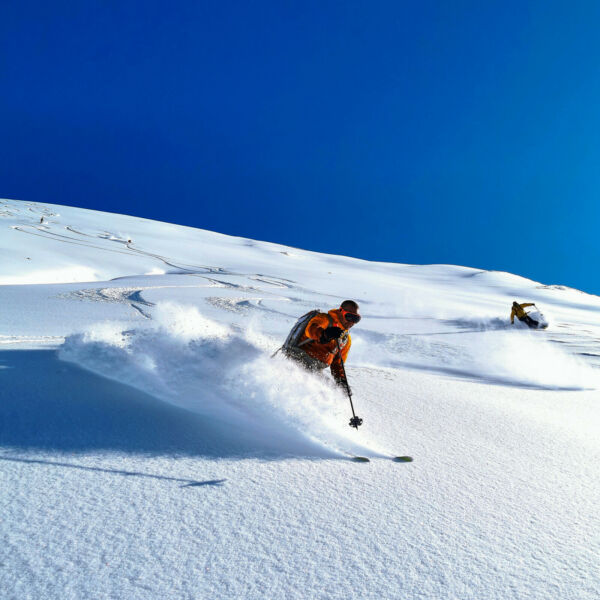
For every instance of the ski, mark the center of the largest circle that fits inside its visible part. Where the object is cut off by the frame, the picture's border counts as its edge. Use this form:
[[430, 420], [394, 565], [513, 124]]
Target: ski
[[399, 459], [402, 459]]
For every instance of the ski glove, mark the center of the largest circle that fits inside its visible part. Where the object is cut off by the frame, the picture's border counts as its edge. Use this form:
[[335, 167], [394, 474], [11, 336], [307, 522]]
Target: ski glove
[[331, 333]]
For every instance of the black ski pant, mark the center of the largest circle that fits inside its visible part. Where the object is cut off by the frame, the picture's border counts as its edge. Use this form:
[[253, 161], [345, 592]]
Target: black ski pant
[[308, 362], [529, 322], [311, 364]]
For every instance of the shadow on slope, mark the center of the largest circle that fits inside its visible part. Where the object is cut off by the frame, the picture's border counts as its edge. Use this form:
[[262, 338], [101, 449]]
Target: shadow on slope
[[53, 405], [484, 378], [69, 465]]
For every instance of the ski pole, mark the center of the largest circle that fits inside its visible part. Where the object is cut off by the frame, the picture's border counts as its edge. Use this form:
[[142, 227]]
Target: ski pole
[[354, 421]]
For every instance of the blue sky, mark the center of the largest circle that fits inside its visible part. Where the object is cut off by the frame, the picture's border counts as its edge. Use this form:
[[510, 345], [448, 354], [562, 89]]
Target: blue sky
[[419, 132]]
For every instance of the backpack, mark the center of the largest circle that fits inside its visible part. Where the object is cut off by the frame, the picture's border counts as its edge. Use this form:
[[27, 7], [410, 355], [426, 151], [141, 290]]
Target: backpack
[[297, 331]]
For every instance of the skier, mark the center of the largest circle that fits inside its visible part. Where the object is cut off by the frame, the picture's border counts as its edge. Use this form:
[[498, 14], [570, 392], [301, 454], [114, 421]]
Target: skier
[[324, 341], [517, 311]]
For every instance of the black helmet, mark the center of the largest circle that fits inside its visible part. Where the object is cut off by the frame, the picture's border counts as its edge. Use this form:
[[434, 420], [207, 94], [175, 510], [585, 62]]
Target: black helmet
[[350, 306]]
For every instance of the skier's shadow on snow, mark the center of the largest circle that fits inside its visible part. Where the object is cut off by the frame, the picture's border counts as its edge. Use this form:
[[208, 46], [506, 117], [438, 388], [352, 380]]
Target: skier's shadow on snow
[[53, 463], [47, 404], [211, 482]]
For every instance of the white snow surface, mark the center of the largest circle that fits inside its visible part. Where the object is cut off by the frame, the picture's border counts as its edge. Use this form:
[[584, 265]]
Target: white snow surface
[[150, 447]]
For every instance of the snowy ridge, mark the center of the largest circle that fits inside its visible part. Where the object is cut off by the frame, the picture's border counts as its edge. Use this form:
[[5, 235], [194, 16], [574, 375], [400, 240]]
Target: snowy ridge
[[144, 423]]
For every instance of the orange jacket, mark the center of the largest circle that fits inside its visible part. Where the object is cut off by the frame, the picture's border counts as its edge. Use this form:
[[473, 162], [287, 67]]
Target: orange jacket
[[327, 353]]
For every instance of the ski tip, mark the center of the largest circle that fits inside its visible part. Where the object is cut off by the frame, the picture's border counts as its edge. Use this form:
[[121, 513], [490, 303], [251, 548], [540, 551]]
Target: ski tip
[[402, 459], [361, 459]]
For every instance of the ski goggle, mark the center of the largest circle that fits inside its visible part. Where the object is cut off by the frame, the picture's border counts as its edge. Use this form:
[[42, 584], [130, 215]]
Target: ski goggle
[[350, 316]]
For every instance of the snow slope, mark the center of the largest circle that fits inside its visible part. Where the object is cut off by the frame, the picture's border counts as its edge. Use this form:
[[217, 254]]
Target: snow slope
[[151, 448]]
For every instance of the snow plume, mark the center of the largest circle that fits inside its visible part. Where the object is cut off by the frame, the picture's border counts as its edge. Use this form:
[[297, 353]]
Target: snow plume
[[186, 324], [222, 373], [109, 332]]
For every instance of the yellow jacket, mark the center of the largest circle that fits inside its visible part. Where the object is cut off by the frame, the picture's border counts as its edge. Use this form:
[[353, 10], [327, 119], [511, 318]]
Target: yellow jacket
[[519, 312]]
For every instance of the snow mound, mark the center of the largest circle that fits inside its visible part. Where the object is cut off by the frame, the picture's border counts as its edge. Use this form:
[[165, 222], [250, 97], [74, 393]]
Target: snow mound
[[220, 372], [487, 350], [524, 358]]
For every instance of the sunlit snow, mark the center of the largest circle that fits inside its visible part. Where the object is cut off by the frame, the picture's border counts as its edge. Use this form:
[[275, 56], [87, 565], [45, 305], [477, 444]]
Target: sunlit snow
[[151, 447]]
